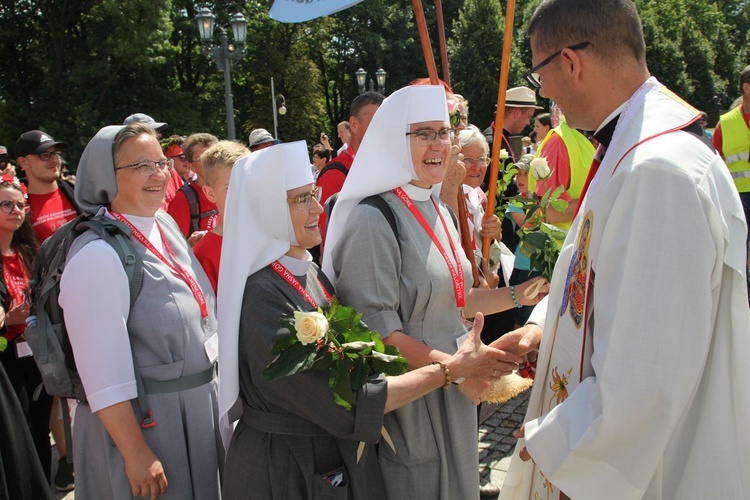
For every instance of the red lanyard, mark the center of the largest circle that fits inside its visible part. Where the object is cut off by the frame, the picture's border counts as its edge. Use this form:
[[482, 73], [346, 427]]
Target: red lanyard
[[457, 273], [174, 265], [292, 280]]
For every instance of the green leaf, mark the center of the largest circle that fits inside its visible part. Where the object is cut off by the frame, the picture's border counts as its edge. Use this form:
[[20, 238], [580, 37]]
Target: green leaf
[[359, 374], [284, 343], [297, 358], [339, 382], [559, 205], [3, 344], [389, 364]]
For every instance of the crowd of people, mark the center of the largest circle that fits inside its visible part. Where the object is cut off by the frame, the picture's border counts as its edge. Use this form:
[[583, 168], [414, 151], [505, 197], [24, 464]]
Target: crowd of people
[[636, 351]]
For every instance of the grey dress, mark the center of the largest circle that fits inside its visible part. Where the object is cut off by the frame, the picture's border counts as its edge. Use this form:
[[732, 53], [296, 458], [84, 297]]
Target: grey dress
[[167, 340], [291, 432], [404, 284]]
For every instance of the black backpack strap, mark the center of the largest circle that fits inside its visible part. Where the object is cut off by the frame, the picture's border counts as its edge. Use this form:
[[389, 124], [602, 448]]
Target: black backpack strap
[[378, 202], [334, 165], [118, 236], [69, 191], [195, 208]]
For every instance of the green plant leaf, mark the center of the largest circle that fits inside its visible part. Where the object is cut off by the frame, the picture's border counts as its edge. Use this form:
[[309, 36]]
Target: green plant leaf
[[359, 374], [297, 358], [389, 364], [339, 382], [3, 344]]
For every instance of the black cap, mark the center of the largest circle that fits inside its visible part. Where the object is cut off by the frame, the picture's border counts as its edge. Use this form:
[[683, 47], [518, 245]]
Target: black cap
[[35, 142]]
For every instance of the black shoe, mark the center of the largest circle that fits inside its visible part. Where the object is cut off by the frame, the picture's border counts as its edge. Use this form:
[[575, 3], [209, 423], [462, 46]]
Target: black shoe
[[489, 491], [64, 477]]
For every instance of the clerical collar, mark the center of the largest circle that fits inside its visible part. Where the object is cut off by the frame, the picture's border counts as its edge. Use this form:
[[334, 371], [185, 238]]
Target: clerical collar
[[296, 266], [606, 130], [417, 193]]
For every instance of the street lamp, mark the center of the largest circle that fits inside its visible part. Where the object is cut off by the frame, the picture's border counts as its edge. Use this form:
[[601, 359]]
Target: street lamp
[[361, 76], [224, 54], [281, 109]]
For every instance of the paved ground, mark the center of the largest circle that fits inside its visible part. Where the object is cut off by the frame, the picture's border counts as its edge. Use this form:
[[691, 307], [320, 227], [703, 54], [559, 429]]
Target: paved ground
[[496, 443]]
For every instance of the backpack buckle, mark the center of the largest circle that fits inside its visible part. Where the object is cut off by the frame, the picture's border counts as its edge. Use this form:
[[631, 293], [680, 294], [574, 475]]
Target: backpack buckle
[[149, 421]]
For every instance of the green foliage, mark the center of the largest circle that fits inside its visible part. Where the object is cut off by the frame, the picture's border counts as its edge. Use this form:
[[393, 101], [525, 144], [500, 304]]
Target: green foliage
[[540, 241], [3, 344], [71, 67], [346, 349]]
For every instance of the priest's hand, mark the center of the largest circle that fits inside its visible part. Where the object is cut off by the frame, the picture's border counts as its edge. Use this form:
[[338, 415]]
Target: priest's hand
[[522, 342]]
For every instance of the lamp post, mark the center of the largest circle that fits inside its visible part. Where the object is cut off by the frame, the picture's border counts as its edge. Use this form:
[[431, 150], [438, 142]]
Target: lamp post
[[281, 109], [362, 79], [224, 54]]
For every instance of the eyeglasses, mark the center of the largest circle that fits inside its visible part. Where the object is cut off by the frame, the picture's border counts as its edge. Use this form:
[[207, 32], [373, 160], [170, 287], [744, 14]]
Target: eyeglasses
[[304, 201], [428, 136], [181, 157], [470, 162], [47, 156], [535, 79], [148, 167], [7, 206]]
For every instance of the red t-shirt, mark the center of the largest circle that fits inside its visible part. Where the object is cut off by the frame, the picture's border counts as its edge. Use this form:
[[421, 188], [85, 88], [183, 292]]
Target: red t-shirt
[[331, 181], [179, 209], [559, 164], [208, 253], [49, 212], [17, 282], [173, 185]]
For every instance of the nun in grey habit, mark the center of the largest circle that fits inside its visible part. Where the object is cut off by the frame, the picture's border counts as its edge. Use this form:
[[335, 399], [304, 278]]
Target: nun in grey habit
[[292, 441], [167, 336]]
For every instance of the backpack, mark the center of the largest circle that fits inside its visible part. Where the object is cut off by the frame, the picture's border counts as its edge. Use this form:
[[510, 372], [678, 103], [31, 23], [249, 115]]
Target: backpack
[[195, 208], [47, 335], [334, 165]]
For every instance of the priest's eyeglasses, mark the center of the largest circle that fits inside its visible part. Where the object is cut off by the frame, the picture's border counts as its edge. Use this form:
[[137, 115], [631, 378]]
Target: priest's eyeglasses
[[427, 136], [535, 79], [304, 201], [8, 206], [149, 167]]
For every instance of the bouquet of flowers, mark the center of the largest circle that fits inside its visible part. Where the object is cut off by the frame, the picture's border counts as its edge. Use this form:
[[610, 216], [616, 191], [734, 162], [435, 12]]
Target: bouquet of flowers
[[334, 339], [541, 241]]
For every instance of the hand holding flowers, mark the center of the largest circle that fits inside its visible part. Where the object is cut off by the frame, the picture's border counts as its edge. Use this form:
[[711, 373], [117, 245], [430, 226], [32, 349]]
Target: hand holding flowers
[[333, 339]]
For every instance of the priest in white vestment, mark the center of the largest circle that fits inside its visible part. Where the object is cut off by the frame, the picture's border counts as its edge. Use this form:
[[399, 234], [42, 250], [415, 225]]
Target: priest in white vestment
[[641, 388]]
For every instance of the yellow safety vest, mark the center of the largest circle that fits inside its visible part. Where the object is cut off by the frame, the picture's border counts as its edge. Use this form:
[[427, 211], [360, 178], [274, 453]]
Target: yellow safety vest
[[735, 144], [580, 153]]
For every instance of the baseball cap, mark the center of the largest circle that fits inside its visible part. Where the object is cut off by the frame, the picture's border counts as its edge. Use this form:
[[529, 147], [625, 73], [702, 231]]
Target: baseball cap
[[34, 142], [144, 118]]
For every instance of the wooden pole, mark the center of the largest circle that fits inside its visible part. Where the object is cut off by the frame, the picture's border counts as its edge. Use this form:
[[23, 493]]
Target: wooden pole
[[441, 37], [497, 142], [429, 58]]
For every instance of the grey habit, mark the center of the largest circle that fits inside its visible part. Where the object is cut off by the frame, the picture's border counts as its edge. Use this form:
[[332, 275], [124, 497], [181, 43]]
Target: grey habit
[[291, 432], [404, 284], [167, 340]]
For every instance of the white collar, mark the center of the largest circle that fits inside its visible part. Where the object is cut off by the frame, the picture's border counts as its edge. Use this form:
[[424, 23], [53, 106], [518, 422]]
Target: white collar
[[614, 113], [296, 266], [417, 193]]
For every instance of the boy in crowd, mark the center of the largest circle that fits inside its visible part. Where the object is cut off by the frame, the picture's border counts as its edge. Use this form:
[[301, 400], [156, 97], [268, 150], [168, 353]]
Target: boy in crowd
[[217, 168]]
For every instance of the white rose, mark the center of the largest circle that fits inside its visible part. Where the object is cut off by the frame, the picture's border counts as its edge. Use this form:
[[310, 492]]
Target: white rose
[[504, 154], [310, 326], [540, 168]]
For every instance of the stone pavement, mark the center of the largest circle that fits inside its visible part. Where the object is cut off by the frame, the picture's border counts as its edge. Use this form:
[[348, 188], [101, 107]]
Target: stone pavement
[[496, 443]]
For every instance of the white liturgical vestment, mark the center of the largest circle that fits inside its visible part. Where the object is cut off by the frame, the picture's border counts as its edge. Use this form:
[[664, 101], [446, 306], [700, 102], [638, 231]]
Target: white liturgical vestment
[[642, 388]]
